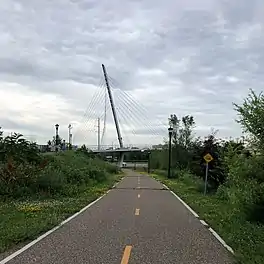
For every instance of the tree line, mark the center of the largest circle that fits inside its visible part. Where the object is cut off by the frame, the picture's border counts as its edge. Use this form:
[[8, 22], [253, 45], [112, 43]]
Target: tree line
[[236, 172]]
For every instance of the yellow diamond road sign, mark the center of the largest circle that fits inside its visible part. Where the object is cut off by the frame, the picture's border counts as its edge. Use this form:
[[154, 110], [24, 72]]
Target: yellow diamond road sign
[[208, 158]]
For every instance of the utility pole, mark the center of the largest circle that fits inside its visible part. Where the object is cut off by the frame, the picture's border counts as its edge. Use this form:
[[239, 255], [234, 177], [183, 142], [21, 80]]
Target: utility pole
[[98, 131], [113, 107]]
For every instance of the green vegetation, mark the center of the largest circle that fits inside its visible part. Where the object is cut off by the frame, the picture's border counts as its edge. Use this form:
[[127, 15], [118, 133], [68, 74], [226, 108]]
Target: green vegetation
[[234, 205], [39, 191]]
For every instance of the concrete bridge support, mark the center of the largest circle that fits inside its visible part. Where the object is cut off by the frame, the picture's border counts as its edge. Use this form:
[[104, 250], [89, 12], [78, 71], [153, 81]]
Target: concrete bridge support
[[121, 159]]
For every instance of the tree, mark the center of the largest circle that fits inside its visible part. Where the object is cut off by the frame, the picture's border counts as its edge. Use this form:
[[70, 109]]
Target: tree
[[17, 148], [60, 140], [174, 122], [182, 130], [61, 143], [251, 116], [83, 148], [49, 145], [186, 131], [182, 140]]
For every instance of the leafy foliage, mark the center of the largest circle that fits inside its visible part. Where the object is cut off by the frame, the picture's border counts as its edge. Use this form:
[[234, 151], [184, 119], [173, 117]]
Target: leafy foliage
[[235, 173], [251, 116], [24, 171], [188, 152], [235, 206]]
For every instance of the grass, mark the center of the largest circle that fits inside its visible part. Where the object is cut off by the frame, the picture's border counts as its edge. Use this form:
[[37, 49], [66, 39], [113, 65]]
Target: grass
[[246, 238], [24, 218]]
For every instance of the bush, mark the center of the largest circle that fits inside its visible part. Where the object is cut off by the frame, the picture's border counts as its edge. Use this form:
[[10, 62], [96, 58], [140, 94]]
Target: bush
[[244, 187], [25, 172], [50, 181]]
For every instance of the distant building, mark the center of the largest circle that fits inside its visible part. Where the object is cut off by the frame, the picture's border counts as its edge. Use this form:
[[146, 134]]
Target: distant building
[[158, 147]]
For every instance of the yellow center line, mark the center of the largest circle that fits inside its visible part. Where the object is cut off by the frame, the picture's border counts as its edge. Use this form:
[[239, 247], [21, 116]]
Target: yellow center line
[[126, 255], [137, 212], [138, 195]]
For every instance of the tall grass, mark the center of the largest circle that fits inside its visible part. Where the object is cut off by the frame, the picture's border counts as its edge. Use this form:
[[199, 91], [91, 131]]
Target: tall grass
[[38, 191]]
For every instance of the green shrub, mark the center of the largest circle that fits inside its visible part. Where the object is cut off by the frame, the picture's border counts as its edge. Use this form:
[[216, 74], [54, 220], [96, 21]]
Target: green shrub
[[25, 172], [50, 180], [244, 188]]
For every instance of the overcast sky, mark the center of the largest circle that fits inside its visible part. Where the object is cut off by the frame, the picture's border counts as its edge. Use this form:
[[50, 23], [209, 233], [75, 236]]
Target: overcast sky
[[175, 56]]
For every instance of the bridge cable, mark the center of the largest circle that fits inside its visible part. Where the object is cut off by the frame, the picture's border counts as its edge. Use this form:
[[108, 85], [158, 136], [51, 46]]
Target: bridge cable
[[95, 112], [129, 101], [85, 114], [105, 112], [127, 116], [119, 116], [89, 124], [143, 111], [90, 109]]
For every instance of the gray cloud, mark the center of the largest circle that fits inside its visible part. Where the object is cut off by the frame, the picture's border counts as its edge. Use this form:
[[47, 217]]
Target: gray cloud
[[176, 57]]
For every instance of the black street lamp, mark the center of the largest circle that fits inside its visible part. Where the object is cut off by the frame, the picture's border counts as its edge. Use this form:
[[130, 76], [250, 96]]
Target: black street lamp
[[148, 156], [70, 137], [170, 129], [149, 162], [135, 162], [57, 137]]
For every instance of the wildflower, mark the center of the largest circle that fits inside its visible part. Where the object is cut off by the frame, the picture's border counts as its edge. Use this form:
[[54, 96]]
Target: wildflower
[[29, 208]]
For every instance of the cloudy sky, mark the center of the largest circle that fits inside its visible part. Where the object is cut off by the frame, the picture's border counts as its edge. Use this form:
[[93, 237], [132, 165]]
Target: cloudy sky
[[183, 57]]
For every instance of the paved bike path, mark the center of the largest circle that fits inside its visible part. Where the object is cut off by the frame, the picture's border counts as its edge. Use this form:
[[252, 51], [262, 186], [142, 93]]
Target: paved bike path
[[137, 222]]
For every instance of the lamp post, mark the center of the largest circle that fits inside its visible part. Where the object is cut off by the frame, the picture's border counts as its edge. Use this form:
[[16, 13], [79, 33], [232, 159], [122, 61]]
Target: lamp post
[[70, 137], [148, 156], [135, 162], [57, 137], [149, 162], [170, 129]]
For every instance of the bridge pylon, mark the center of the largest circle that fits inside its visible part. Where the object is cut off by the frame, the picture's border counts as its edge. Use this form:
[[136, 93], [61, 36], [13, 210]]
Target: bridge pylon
[[119, 137]]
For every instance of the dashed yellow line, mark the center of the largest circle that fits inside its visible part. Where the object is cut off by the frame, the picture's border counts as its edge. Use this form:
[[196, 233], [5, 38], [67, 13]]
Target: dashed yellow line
[[126, 255], [137, 211]]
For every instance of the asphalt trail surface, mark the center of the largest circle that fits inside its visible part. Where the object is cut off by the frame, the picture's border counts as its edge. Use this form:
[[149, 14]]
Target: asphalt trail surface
[[137, 222]]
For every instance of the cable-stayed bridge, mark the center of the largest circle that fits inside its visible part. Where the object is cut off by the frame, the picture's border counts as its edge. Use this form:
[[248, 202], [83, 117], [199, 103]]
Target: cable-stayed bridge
[[126, 148], [115, 121]]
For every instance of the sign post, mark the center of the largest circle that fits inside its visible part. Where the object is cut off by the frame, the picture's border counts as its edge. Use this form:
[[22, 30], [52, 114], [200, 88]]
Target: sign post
[[208, 158]]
